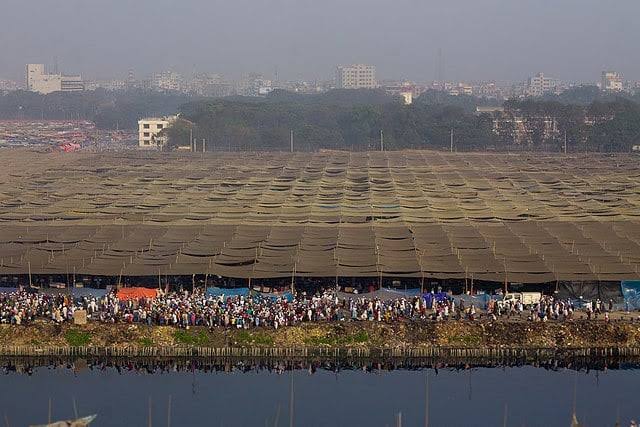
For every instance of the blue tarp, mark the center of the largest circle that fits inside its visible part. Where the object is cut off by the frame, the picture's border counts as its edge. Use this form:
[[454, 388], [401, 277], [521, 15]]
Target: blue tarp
[[479, 300], [230, 292], [286, 295], [631, 294], [439, 297]]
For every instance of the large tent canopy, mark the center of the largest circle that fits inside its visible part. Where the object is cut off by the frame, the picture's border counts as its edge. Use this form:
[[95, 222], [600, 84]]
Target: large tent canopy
[[529, 218]]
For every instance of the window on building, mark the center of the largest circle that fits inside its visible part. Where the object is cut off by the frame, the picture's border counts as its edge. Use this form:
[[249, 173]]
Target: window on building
[[147, 134], [160, 126], [146, 126]]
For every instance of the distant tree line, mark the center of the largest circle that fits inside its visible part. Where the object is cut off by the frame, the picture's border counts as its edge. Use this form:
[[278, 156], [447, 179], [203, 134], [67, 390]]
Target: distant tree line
[[339, 119], [109, 110], [352, 119], [603, 126]]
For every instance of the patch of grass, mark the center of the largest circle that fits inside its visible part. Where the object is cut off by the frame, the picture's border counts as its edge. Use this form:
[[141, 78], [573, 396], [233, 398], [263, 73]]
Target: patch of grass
[[246, 337], [77, 338], [198, 339], [466, 340], [360, 337], [319, 340], [145, 342], [357, 338]]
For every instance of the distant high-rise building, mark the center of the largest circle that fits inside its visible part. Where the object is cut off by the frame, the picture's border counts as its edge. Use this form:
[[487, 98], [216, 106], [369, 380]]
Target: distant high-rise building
[[539, 84], [611, 81], [39, 81], [356, 76], [167, 81], [131, 79]]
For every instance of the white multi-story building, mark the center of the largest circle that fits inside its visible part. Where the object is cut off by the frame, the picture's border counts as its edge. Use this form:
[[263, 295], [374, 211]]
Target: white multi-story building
[[539, 84], [149, 131], [39, 81], [611, 81], [356, 76]]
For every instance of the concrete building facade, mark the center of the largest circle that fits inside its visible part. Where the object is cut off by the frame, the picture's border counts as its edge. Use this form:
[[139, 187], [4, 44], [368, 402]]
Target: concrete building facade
[[149, 131], [38, 80], [356, 76], [539, 84]]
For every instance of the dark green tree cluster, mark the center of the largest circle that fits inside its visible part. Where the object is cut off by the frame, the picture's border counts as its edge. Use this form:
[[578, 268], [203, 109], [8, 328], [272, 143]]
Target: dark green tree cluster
[[347, 120], [350, 119], [109, 110], [178, 134], [602, 126]]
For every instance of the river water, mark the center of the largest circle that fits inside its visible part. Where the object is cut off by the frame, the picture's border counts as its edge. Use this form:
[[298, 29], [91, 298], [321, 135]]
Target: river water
[[526, 395]]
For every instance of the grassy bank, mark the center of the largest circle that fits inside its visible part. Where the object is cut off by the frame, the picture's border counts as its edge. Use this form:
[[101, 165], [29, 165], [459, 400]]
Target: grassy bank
[[513, 334]]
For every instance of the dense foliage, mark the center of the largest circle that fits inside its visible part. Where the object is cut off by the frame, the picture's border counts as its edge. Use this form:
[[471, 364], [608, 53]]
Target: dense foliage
[[109, 110], [335, 120], [351, 119]]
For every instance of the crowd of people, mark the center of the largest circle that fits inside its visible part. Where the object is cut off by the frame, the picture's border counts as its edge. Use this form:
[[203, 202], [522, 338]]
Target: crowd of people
[[186, 309], [550, 307]]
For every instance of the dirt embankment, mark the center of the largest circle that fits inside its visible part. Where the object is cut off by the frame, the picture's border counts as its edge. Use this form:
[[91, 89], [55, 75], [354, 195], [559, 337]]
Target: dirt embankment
[[514, 334]]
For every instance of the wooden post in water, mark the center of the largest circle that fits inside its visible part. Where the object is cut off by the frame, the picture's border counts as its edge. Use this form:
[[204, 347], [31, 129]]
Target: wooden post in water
[[169, 412], [426, 402], [291, 401], [149, 414]]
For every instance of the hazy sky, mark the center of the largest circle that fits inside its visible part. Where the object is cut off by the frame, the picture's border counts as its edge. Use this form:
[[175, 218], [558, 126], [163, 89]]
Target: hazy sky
[[505, 40]]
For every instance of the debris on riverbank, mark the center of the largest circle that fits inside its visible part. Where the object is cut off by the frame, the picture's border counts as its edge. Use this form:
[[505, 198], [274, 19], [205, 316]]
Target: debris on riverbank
[[462, 334]]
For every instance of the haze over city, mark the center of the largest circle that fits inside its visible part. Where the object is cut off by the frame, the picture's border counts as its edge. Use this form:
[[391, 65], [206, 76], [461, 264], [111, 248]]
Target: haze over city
[[501, 40]]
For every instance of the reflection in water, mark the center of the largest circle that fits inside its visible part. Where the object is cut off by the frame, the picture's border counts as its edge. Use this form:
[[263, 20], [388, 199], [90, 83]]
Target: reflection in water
[[231, 392], [159, 365]]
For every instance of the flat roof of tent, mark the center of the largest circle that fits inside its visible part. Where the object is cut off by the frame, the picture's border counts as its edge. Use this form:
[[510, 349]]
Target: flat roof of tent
[[530, 218]]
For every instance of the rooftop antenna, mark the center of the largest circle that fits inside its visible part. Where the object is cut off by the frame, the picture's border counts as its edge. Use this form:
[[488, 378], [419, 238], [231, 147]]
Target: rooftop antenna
[[55, 65], [381, 140], [565, 142]]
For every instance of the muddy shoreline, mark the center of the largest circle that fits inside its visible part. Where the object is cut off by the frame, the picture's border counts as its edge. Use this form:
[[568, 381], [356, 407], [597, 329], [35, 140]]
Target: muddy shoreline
[[502, 338]]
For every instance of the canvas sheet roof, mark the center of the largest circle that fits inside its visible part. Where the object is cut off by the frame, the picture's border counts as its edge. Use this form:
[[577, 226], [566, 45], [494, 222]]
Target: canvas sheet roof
[[525, 218]]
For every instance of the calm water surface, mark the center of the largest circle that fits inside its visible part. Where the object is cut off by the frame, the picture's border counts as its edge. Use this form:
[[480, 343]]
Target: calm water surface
[[472, 397]]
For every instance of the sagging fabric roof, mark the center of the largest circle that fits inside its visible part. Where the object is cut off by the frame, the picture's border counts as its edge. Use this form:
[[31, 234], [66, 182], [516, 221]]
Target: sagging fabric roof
[[518, 218]]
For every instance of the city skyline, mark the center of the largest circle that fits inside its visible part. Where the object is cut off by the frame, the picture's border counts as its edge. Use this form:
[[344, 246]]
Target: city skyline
[[489, 40], [333, 80]]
